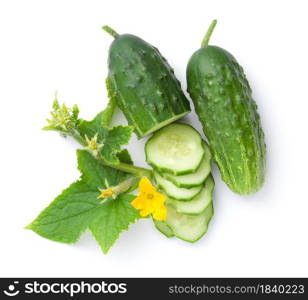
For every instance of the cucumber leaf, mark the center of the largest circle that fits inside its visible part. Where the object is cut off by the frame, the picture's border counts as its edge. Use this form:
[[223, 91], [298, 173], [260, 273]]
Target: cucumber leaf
[[112, 139], [90, 128], [95, 174], [117, 137], [68, 216], [125, 157], [112, 218], [77, 207]]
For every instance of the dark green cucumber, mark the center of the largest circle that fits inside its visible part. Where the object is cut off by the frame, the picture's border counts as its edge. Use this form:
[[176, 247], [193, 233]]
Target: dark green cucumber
[[144, 84], [222, 98]]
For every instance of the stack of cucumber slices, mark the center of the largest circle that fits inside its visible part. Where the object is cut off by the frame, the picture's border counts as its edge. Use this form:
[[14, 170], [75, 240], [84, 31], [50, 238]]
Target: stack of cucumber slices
[[182, 170]]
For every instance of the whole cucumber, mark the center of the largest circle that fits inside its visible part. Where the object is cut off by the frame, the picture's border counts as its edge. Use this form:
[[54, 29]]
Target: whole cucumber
[[143, 84], [222, 98]]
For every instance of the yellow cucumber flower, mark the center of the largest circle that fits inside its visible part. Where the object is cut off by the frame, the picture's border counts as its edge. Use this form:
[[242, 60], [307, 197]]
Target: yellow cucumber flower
[[105, 193], [149, 201], [116, 190]]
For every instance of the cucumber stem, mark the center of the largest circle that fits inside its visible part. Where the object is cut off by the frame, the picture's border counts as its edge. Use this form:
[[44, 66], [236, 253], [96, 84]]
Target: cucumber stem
[[138, 171], [208, 34], [110, 31]]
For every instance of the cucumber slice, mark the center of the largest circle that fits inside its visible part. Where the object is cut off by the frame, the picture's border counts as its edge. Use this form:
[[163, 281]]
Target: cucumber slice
[[163, 228], [189, 228], [196, 178], [176, 149], [199, 203], [175, 192]]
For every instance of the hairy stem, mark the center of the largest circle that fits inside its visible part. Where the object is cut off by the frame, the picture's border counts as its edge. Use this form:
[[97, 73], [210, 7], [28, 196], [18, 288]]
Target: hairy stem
[[127, 168], [208, 34]]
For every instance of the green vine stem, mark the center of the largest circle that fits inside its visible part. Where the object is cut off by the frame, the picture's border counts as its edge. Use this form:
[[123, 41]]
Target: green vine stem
[[208, 34], [138, 171]]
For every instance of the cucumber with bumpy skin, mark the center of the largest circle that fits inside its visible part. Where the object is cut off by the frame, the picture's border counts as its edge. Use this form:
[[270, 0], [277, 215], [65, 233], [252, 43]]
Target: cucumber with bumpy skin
[[225, 107], [183, 194], [196, 178], [189, 228], [163, 228], [176, 149], [143, 84], [199, 203]]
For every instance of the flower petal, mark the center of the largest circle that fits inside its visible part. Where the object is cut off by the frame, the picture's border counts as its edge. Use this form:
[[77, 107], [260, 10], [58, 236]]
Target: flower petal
[[159, 198], [149, 201], [160, 213], [138, 202], [144, 213], [145, 186]]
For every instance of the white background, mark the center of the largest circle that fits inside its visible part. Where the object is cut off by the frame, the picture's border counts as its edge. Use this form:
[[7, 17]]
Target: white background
[[59, 45]]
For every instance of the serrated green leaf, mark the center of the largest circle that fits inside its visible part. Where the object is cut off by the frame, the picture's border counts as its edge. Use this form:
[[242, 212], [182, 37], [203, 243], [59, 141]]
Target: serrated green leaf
[[112, 139], [67, 217], [90, 128], [125, 157], [95, 174], [116, 138], [77, 208], [113, 218]]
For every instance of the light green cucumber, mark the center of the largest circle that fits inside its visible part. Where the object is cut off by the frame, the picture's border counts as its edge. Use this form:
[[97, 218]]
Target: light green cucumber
[[196, 178], [175, 192], [199, 203], [163, 228], [189, 228], [176, 149]]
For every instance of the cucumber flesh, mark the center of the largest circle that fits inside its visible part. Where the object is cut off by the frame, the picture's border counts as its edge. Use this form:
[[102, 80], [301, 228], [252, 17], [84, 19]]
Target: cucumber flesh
[[189, 228], [163, 228], [199, 203], [175, 192], [176, 149], [196, 178]]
